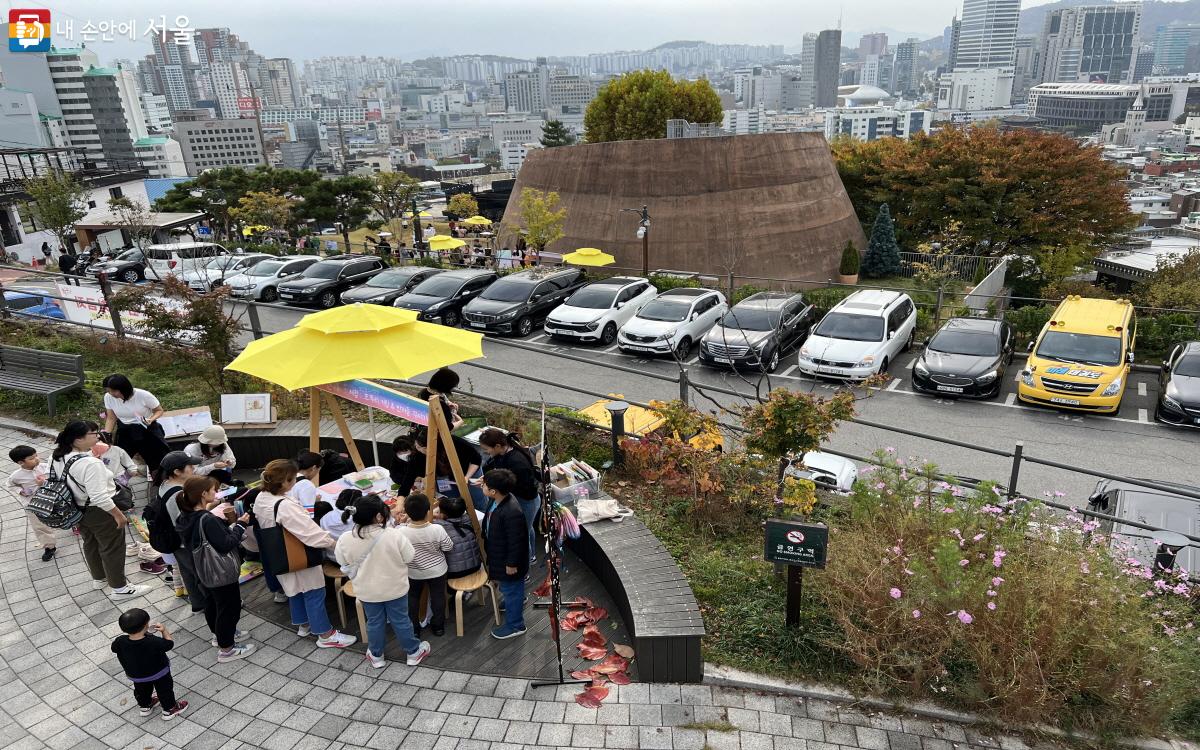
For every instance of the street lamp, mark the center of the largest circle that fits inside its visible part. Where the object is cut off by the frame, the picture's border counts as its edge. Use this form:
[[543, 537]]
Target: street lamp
[[616, 410], [643, 234]]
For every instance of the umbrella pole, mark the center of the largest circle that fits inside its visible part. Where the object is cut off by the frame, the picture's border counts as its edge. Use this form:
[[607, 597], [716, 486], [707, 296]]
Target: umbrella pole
[[374, 435], [314, 420]]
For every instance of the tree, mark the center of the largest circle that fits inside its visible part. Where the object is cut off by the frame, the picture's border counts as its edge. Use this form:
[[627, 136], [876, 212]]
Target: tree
[[1176, 283], [134, 218], [264, 209], [541, 217], [345, 200], [883, 254], [57, 201], [555, 133], [216, 192], [463, 205], [637, 106], [851, 261], [393, 196]]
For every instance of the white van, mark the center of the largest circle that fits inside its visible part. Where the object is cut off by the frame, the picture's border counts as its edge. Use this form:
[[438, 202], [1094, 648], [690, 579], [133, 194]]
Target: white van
[[860, 336], [179, 257]]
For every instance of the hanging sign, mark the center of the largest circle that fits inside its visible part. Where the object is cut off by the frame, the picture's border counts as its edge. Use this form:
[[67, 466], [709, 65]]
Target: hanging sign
[[387, 400]]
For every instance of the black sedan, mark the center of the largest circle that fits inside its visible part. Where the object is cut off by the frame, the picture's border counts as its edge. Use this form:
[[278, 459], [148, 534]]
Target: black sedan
[[965, 358], [440, 298], [387, 286], [1179, 387]]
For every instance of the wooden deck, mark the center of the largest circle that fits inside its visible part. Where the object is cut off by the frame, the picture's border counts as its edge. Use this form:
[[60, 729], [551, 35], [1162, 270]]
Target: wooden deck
[[529, 656]]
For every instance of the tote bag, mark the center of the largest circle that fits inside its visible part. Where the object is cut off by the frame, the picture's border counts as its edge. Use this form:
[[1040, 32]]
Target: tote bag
[[283, 552], [213, 568]]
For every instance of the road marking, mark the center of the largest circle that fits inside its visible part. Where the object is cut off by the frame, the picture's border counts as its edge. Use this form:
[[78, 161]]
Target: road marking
[[693, 360], [1017, 377], [1141, 389], [537, 338], [1010, 399], [911, 365], [1143, 416], [611, 349], [894, 384], [788, 371]]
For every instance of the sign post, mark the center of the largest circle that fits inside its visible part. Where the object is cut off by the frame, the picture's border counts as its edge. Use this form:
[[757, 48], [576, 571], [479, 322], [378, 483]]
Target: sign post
[[798, 546]]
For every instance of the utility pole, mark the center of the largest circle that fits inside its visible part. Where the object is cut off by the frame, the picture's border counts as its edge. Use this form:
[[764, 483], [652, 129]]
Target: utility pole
[[341, 140], [643, 232]]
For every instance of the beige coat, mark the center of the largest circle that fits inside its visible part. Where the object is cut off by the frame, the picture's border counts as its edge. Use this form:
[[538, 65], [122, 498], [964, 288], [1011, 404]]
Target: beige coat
[[294, 518]]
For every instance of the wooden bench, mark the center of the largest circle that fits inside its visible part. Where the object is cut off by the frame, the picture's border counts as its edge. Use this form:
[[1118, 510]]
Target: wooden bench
[[37, 371], [655, 599]]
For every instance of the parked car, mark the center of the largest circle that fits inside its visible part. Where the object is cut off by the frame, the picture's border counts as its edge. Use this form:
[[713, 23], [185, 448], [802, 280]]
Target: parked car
[[178, 258], [260, 282], [757, 331], [1179, 386], [128, 266], [826, 470], [385, 288], [323, 282], [441, 298], [597, 311], [213, 274], [860, 336], [31, 302], [967, 357], [672, 322], [1161, 508], [519, 301]]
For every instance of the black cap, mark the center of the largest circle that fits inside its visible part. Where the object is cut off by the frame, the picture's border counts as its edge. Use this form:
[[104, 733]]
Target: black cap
[[176, 460]]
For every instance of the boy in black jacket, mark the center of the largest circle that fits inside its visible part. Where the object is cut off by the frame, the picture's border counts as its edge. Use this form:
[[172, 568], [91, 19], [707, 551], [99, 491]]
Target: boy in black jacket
[[142, 652], [507, 549]]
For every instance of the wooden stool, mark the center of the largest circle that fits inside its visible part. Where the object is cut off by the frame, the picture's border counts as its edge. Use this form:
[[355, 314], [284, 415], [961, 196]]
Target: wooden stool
[[348, 589], [474, 582], [342, 585]]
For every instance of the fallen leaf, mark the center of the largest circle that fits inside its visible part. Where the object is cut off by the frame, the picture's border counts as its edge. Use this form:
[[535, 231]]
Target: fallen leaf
[[582, 674], [624, 650], [599, 691], [619, 678], [591, 653], [595, 614], [587, 699], [543, 590]]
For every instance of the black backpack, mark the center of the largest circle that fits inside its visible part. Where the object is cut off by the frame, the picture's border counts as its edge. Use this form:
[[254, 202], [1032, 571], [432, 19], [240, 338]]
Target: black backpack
[[52, 503], [163, 536]]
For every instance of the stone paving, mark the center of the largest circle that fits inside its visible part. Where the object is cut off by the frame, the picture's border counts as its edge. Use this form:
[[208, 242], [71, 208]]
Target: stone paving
[[61, 687]]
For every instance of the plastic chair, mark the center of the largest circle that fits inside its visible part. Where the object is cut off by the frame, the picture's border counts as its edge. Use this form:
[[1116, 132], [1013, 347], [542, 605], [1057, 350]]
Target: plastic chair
[[474, 582]]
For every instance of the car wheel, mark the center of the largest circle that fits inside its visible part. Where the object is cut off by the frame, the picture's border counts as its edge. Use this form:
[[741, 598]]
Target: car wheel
[[911, 337], [131, 276], [774, 362], [329, 299], [269, 294], [683, 348], [883, 367], [450, 319], [609, 335], [523, 327]]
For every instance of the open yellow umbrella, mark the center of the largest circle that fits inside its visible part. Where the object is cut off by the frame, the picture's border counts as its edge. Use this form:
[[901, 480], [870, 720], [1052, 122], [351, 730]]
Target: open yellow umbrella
[[443, 242], [479, 221], [589, 256], [353, 342], [254, 229]]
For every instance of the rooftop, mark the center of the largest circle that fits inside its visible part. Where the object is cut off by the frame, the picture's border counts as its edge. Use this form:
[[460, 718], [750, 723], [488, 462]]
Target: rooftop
[[1092, 315]]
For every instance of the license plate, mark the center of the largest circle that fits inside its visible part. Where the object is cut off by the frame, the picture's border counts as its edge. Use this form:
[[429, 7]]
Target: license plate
[[286, 295], [1065, 401], [477, 325], [832, 371], [723, 360], [950, 388], [1197, 421], [636, 348]]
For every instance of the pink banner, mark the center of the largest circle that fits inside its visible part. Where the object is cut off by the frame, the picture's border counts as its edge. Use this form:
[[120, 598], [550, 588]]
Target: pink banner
[[382, 398]]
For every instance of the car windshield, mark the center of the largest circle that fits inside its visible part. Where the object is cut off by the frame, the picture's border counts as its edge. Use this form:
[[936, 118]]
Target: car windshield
[[1188, 366], [1080, 348], [220, 264], [960, 342], [131, 255], [438, 287], [266, 268], [669, 310], [322, 271], [599, 297], [390, 280], [751, 319], [837, 325], [508, 291]]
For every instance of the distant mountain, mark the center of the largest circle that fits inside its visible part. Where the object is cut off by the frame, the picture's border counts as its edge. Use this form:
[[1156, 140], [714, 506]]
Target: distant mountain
[[1155, 13], [679, 44]]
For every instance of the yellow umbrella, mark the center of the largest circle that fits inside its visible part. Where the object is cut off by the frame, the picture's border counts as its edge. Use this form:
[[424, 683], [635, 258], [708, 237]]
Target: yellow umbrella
[[589, 256], [478, 221], [254, 229], [442, 242], [355, 341]]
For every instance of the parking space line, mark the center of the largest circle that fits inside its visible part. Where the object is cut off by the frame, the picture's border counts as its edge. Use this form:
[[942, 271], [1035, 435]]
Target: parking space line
[[611, 349], [1017, 377], [1010, 399], [1141, 389], [788, 371], [537, 338], [1143, 416], [894, 384], [693, 360]]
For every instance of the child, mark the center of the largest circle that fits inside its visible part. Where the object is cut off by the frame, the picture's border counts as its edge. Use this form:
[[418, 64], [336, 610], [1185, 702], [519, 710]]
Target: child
[[31, 473], [463, 559], [428, 567], [337, 522], [142, 652]]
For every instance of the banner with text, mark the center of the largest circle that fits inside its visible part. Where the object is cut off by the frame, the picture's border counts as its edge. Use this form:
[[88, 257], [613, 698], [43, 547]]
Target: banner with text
[[382, 398]]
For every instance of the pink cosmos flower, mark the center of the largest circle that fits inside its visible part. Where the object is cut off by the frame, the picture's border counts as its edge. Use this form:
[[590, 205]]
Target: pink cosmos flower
[[894, 593], [991, 605], [977, 537], [991, 592], [1083, 568], [916, 614], [997, 581], [963, 563], [965, 617]]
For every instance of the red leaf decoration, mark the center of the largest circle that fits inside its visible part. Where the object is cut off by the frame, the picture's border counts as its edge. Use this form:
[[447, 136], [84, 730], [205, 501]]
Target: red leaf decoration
[[569, 622], [596, 614], [582, 674], [623, 650], [619, 678], [591, 653], [598, 691], [543, 590], [587, 699]]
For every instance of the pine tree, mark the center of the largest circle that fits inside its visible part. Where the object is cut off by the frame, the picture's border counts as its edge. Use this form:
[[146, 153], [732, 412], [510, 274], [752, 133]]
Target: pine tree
[[883, 254], [555, 133]]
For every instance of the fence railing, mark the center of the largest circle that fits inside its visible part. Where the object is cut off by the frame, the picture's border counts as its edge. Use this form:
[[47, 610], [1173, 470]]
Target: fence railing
[[962, 267]]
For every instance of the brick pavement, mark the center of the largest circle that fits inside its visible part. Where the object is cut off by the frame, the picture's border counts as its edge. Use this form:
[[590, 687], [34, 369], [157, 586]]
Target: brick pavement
[[61, 687]]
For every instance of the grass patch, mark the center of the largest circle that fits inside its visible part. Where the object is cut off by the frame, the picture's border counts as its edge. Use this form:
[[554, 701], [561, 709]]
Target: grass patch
[[710, 726]]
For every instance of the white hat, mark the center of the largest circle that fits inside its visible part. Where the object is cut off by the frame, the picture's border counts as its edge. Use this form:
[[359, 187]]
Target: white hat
[[214, 435]]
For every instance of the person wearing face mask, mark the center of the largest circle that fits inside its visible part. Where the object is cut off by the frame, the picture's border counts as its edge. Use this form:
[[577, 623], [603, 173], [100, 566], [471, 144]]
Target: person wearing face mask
[[401, 454]]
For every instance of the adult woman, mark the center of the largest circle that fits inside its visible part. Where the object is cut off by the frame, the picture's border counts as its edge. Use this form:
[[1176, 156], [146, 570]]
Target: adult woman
[[381, 583], [102, 527], [216, 457], [504, 451], [464, 453], [401, 453], [442, 384], [175, 469], [305, 589], [137, 411], [196, 525]]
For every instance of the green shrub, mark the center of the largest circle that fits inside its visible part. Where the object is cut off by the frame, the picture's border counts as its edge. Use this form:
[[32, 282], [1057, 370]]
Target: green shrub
[[1158, 334], [1028, 321], [744, 291], [851, 260], [665, 283], [824, 299]]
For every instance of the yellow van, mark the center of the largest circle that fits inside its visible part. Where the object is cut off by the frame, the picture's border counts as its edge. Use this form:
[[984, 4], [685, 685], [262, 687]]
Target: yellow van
[[1082, 357]]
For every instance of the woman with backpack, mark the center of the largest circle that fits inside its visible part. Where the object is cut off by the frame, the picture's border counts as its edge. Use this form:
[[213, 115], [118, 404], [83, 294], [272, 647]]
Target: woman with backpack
[[92, 487], [504, 451], [161, 515]]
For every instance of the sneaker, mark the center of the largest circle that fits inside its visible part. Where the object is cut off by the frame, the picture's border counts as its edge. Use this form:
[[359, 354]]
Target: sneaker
[[237, 636], [147, 710], [180, 592], [336, 640], [239, 651], [180, 706], [132, 549], [97, 585], [279, 597], [169, 578], [376, 661], [48, 554], [503, 632], [419, 655], [128, 592], [303, 631], [153, 568]]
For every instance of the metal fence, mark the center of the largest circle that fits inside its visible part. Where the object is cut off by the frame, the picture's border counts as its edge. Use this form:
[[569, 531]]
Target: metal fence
[[961, 267]]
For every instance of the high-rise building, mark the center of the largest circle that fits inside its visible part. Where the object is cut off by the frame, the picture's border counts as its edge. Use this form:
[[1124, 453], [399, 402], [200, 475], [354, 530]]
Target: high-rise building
[[116, 109], [281, 85], [905, 82], [208, 144], [67, 67], [1171, 44], [953, 31], [1025, 64], [872, 72], [988, 34], [1143, 63], [156, 112], [231, 88], [569, 93], [527, 90], [173, 72], [873, 44], [1089, 43], [827, 65]]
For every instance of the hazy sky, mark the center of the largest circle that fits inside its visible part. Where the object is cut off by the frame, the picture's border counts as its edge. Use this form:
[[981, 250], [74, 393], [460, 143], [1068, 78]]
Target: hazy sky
[[303, 29]]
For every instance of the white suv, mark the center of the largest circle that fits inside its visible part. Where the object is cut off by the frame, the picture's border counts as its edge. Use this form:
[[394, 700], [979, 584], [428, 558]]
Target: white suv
[[597, 311], [672, 322], [860, 336]]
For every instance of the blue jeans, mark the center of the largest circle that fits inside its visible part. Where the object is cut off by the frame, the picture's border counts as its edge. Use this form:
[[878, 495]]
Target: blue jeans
[[513, 593], [530, 508], [478, 499], [379, 614], [309, 608]]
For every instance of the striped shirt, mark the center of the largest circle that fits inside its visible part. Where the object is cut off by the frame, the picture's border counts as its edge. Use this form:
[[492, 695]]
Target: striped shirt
[[430, 543]]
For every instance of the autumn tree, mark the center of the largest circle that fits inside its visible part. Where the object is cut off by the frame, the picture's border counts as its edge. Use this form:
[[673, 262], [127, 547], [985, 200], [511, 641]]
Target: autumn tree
[[637, 105], [555, 133], [541, 217], [57, 201], [345, 200], [393, 196], [463, 205], [133, 217], [268, 209], [1176, 283]]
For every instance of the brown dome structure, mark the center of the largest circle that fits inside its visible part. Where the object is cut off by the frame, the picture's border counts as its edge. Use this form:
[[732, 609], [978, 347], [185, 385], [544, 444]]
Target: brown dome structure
[[770, 205]]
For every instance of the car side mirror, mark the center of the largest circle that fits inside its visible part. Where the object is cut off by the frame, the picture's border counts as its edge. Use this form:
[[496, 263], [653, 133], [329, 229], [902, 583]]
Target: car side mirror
[[620, 305], [891, 335], [1166, 365], [1129, 356], [695, 315], [1029, 347]]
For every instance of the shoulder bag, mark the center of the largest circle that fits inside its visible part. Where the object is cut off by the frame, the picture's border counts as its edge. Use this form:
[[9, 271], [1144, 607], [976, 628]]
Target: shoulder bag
[[213, 568], [283, 552]]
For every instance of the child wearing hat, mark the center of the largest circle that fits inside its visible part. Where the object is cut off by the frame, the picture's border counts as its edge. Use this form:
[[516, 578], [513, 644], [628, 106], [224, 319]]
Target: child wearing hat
[[213, 451]]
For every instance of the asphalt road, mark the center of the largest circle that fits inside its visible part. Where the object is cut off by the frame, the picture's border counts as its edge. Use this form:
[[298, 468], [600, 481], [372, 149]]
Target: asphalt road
[[1129, 444]]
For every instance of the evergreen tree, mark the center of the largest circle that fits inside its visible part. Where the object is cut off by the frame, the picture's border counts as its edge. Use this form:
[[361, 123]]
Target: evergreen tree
[[883, 254], [555, 133]]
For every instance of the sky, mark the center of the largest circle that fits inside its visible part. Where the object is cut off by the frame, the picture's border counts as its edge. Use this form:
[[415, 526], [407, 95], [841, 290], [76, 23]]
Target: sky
[[303, 29]]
